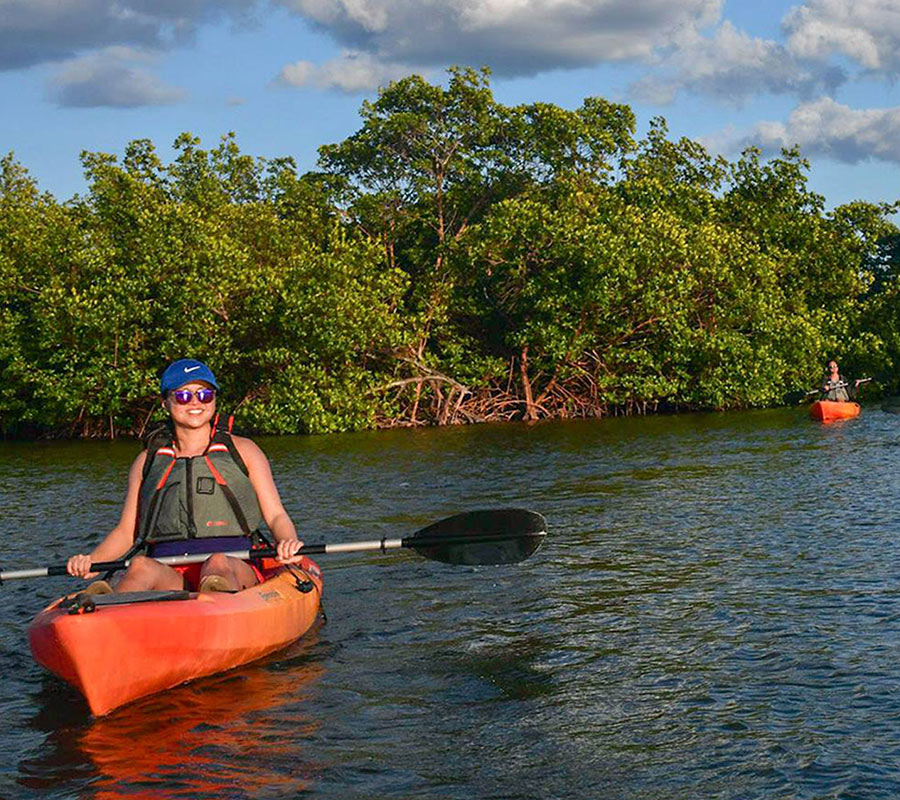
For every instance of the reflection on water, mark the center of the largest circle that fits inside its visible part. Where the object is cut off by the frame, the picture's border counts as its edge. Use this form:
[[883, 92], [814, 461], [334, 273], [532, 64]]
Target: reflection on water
[[716, 613], [236, 731]]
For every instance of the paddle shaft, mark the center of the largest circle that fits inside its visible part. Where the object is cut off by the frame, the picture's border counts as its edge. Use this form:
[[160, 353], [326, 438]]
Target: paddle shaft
[[841, 385], [197, 558], [267, 552]]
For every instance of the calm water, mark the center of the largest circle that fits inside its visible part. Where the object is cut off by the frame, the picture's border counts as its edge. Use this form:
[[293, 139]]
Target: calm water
[[716, 614]]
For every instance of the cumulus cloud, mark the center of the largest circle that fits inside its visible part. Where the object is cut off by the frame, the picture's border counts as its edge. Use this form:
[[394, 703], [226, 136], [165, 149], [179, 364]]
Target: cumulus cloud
[[867, 31], [732, 67], [680, 41], [827, 128], [114, 77], [820, 37], [513, 37], [683, 43], [39, 31], [352, 72]]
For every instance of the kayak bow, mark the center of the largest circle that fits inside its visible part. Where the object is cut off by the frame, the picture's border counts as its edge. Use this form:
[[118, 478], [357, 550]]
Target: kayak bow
[[833, 410], [126, 648]]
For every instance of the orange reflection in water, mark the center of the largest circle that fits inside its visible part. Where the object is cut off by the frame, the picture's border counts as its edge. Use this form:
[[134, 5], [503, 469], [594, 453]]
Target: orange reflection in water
[[235, 735]]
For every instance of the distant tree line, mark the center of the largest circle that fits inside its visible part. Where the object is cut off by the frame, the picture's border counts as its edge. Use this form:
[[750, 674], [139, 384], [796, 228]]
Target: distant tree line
[[454, 260]]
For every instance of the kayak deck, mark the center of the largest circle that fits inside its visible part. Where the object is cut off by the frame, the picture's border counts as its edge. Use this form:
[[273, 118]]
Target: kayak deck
[[114, 653], [833, 410]]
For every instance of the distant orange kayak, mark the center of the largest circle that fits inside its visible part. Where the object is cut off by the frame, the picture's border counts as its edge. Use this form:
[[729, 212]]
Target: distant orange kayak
[[119, 652], [831, 410]]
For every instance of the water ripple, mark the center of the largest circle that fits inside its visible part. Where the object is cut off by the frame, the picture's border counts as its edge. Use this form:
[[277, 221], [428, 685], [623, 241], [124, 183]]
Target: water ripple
[[716, 614]]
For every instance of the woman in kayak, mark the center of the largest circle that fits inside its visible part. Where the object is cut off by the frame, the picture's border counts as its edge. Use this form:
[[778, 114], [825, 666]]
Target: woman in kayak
[[194, 488], [834, 387]]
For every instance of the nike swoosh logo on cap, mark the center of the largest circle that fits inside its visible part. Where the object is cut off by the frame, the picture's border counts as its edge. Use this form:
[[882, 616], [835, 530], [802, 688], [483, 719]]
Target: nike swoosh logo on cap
[[191, 369]]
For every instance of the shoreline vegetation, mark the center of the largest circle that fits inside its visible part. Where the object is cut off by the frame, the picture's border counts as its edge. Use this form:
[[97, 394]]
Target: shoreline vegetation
[[454, 261]]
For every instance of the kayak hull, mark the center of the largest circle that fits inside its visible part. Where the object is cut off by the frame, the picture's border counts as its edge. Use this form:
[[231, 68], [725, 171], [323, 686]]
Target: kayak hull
[[831, 411], [118, 653]]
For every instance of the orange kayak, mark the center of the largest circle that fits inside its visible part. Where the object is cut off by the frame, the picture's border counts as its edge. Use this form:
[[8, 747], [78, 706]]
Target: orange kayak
[[831, 410], [120, 648]]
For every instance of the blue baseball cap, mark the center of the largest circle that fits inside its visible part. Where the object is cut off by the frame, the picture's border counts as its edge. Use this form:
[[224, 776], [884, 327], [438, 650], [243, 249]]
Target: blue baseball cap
[[183, 371]]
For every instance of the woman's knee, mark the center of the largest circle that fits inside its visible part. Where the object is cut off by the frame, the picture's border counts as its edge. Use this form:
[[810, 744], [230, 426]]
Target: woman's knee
[[142, 565], [217, 563], [145, 574]]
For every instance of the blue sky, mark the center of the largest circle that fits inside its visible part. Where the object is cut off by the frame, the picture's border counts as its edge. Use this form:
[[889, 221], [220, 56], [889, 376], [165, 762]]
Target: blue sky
[[289, 75]]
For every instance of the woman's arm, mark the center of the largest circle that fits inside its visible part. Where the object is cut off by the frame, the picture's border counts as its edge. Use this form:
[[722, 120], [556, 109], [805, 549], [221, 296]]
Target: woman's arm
[[281, 525], [120, 539]]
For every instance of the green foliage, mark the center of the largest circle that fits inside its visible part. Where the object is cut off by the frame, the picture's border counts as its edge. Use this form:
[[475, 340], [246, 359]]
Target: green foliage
[[454, 259], [158, 263], [623, 304]]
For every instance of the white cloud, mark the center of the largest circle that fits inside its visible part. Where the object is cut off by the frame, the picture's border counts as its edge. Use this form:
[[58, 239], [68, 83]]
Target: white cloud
[[732, 66], [351, 73], [867, 31], [681, 42], [113, 77], [827, 128], [300, 73], [513, 37], [676, 39]]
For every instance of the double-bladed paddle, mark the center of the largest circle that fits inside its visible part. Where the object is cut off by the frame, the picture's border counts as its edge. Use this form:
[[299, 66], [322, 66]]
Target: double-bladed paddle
[[501, 536], [840, 385]]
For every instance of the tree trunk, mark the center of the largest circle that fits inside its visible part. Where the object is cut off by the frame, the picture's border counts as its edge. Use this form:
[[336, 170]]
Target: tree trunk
[[530, 410]]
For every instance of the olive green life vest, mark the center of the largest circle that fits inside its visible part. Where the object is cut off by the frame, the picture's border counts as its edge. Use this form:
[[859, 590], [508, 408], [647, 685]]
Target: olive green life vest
[[835, 390], [203, 496]]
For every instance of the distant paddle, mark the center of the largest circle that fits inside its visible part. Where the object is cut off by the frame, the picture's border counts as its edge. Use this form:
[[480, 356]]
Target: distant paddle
[[503, 536], [841, 385]]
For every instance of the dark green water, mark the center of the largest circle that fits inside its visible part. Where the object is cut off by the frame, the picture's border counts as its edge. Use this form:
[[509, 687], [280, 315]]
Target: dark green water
[[716, 614]]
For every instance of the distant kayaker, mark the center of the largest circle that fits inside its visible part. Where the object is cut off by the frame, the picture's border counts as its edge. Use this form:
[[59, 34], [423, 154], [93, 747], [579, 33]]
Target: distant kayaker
[[834, 387], [194, 488]]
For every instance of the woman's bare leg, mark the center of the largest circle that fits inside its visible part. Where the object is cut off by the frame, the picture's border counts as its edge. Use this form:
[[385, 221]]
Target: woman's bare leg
[[239, 574], [144, 574]]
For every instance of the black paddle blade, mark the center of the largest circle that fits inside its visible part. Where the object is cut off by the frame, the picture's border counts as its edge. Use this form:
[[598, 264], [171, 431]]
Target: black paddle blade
[[504, 536]]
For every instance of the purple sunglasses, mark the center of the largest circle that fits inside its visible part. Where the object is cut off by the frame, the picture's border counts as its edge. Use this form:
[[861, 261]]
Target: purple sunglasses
[[184, 396]]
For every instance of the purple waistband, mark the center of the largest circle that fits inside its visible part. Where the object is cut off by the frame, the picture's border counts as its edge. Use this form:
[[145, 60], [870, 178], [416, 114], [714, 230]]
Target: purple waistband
[[214, 544]]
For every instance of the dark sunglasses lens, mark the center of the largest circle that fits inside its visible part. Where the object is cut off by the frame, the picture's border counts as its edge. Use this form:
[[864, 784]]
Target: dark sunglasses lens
[[184, 396]]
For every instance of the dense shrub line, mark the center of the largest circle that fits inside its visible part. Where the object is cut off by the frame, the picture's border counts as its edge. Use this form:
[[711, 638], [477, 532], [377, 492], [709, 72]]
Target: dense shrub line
[[454, 260]]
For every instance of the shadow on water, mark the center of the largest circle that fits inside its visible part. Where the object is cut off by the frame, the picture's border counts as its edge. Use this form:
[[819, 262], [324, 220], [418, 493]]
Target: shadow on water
[[500, 668], [235, 735]]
